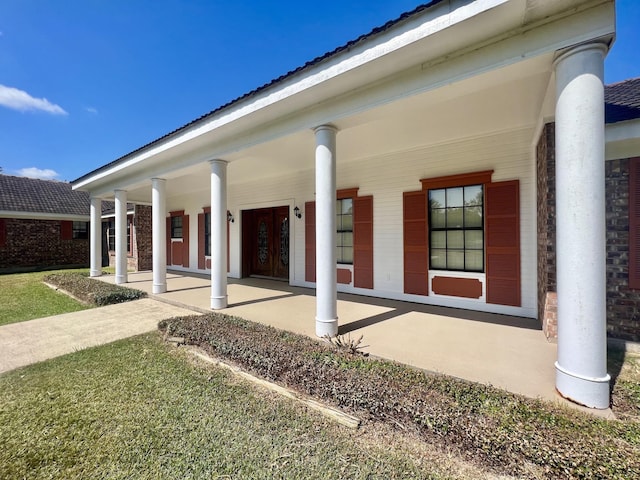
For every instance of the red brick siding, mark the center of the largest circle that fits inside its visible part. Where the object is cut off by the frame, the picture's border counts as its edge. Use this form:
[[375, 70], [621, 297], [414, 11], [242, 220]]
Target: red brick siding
[[623, 303], [33, 244]]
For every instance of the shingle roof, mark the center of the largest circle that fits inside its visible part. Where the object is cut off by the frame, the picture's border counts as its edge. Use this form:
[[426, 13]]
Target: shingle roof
[[306, 66], [622, 101], [22, 194]]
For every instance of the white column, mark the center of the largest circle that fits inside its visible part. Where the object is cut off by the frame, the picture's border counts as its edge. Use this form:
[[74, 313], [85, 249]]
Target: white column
[[159, 234], [326, 280], [581, 369], [121, 236], [95, 238], [218, 234]]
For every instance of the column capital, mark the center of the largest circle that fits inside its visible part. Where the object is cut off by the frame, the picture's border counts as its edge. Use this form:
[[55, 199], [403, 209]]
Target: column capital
[[158, 179], [568, 52], [218, 161], [326, 126]]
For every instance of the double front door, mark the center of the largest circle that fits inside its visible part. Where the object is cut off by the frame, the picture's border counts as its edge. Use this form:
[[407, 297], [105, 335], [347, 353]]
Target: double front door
[[265, 235]]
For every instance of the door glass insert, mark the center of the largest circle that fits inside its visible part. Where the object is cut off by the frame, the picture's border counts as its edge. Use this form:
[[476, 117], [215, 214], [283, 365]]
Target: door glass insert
[[284, 242], [263, 243]]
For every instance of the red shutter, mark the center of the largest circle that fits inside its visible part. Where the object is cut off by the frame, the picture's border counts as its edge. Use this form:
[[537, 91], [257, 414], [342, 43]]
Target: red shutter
[[201, 241], [363, 242], [168, 235], [3, 232], [502, 238], [66, 230], [185, 241], [634, 223], [416, 245], [310, 241]]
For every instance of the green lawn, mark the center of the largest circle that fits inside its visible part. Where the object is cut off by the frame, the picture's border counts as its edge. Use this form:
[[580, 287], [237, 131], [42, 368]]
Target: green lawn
[[138, 409], [23, 296]]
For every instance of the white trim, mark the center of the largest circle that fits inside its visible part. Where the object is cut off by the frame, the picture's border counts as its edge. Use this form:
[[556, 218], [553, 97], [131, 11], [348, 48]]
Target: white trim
[[44, 216], [622, 139]]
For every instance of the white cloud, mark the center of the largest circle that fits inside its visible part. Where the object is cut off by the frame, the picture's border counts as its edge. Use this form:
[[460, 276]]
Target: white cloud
[[91, 110], [41, 173], [22, 101]]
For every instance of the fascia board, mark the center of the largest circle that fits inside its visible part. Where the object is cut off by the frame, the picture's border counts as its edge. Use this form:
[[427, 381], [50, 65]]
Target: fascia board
[[43, 216], [622, 139]]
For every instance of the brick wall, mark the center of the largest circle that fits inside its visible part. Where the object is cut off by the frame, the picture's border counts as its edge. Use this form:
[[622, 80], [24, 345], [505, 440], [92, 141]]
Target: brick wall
[[143, 239], [37, 244], [623, 303], [546, 230]]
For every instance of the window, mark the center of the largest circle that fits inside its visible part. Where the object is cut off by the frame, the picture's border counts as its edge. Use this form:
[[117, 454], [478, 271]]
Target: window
[[176, 227], [456, 228], [111, 234], [80, 230], [344, 226], [207, 234]]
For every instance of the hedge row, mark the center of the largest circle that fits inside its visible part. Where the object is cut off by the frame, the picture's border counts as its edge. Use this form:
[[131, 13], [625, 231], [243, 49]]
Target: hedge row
[[507, 432], [93, 291]]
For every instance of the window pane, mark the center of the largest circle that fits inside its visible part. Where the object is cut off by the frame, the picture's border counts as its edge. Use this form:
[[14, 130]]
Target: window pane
[[438, 239], [455, 259], [473, 217], [438, 258], [473, 239], [207, 223], [473, 195], [347, 239], [454, 217], [437, 199], [347, 222], [454, 197], [438, 218], [347, 205], [473, 260], [347, 255], [455, 239]]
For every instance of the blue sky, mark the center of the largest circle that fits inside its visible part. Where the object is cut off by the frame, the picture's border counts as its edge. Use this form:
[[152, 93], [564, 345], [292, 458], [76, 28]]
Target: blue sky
[[83, 82]]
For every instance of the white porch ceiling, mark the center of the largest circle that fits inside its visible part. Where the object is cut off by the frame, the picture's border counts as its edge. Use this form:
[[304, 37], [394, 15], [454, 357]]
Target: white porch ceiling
[[505, 99]]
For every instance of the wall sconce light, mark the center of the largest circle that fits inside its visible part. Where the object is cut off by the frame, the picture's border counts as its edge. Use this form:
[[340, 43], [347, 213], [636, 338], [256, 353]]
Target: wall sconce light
[[296, 212], [230, 218]]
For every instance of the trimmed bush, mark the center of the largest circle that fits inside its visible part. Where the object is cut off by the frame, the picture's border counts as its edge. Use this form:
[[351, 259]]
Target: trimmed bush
[[93, 291], [508, 432]]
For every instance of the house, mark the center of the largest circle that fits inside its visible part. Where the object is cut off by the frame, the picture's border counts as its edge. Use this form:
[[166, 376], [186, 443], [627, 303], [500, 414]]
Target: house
[[43, 224], [454, 156]]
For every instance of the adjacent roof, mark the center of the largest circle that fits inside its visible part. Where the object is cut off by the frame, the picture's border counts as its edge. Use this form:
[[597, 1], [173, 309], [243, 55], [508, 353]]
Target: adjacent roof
[[622, 101], [22, 194], [276, 81]]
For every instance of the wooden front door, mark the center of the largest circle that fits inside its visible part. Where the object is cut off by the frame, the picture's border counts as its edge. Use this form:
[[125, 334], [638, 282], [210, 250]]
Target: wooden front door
[[266, 237]]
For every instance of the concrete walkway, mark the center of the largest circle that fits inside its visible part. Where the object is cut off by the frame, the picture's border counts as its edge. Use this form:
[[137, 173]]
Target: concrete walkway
[[33, 341]]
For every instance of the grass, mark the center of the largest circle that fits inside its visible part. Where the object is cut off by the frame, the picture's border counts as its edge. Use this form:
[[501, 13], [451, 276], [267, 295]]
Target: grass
[[138, 409], [23, 296]]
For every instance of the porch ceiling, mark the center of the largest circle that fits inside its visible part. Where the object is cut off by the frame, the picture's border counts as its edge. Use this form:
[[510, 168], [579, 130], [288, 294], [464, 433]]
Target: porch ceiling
[[504, 99]]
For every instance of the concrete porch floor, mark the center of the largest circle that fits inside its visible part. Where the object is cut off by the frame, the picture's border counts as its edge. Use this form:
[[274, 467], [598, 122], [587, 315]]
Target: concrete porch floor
[[508, 352]]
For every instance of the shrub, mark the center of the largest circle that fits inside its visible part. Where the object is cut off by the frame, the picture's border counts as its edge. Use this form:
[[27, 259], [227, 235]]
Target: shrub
[[93, 291], [502, 430]]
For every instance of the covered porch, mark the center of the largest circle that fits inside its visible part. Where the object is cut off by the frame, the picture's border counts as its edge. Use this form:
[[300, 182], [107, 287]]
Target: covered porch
[[504, 351]]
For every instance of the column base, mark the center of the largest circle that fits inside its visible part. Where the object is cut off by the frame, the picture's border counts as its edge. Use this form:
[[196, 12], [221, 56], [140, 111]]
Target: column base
[[326, 327], [121, 279], [95, 273], [159, 288], [218, 303], [592, 392]]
